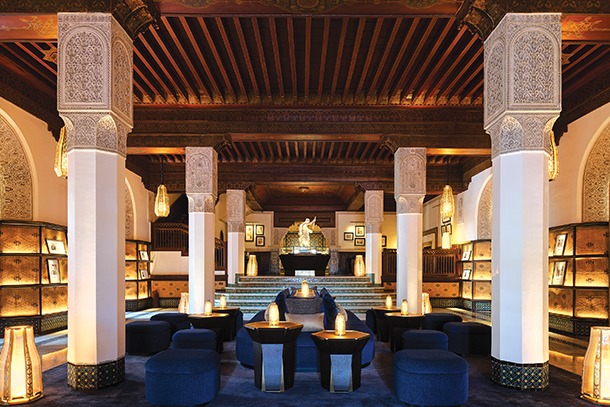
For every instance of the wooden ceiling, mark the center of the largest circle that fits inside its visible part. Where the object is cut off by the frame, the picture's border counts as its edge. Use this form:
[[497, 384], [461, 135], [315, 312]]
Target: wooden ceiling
[[294, 99]]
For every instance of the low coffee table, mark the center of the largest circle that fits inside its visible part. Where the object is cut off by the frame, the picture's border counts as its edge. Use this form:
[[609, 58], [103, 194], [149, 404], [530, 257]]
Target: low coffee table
[[340, 359], [398, 324], [229, 329], [383, 330], [214, 322], [274, 354]]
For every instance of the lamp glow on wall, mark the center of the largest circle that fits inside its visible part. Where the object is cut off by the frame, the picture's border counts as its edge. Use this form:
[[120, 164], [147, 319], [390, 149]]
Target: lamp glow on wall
[[359, 267], [596, 367], [61, 155], [162, 199], [252, 268], [20, 367]]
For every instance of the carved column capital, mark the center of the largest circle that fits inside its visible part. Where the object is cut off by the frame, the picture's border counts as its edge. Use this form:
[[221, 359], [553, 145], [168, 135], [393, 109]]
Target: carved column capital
[[373, 211], [201, 203], [409, 179], [201, 171], [236, 210]]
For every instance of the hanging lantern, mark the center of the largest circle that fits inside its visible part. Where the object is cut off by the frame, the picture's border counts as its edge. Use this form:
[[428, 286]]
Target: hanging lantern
[[359, 267], [447, 205], [20, 367], [162, 200], [553, 160], [61, 155]]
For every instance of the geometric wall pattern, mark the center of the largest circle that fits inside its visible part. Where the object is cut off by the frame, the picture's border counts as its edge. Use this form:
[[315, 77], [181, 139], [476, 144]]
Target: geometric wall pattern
[[484, 212], [596, 180]]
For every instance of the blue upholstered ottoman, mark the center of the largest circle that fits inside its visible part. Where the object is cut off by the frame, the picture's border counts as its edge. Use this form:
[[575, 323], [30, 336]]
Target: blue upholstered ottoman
[[146, 337], [177, 320], [424, 339], [468, 337], [436, 320], [182, 377], [194, 339], [430, 377]]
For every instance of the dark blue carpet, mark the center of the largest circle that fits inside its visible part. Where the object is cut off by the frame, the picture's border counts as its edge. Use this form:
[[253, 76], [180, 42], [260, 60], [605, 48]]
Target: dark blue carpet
[[238, 390]]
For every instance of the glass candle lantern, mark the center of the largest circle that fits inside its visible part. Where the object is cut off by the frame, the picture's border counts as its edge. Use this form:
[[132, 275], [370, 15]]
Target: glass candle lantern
[[274, 314], [388, 302], [207, 309], [404, 308], [340, 325]]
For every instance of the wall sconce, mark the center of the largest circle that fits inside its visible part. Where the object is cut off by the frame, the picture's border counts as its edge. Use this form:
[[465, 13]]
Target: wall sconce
[[426, 305], [359, 267], [388, 302], [596, 367], [207, 308], [404, 308], [184, 303], [252, 268], [340, 325], [20, 367], [61, 155], [274, 314], [223, 302]]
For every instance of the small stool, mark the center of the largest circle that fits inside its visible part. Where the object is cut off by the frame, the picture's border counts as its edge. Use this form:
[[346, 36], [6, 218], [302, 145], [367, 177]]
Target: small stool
[[177, 320], [430, 377], [436, 320], [147, 337], [182, 377], [468, 338], [424, 339], [194, 339]]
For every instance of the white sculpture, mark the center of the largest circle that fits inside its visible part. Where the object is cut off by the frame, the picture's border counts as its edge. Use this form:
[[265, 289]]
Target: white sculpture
[[305, 229]]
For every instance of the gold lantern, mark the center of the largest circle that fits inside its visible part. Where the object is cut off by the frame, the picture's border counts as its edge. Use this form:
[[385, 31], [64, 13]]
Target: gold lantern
[[340, 325], [447, 204], [359, 267], [274, 314], [596, 367], [20, 367], [252, 268], [162, 199], [404, 308], [207, 308], [61, 155]]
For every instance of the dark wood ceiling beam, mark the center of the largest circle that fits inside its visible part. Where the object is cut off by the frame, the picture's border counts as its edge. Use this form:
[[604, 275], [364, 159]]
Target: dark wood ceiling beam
[[352, 65], [386, 52], [369, 56], [365, 150], [412, 59], [240, 158], [153, 72], [307, 55], [448, 91], [587, 66], [276, 57], [304, 151], [246, 54], [398, 58], [229, 51], [321, 157], [279, 151], [580, 58], [201, 59], [160, 64], [409, 88], [229, 151], [261, 55], [475, 87], [140, 88], [185, 57], [296, 151], [330, 151], [219, 62], [323, 54], [143, 77], [293, 61], [43, 79], [288, 157], [36, 57], [333, 86], [451, 69]]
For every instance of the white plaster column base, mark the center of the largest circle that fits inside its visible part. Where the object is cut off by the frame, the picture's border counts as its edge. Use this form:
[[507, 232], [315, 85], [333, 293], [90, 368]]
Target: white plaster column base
[[409, 260], [373, 255], [201, 260]]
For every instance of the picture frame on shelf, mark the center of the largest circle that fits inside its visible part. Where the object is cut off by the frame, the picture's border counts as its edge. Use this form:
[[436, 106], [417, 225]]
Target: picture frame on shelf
[[143, 274], [53, 268], [360, 230], [56, 246], [260, 230], [260, 240], [349, 236], [249, 235], [466, 255], [467, 274], [384, 241], [560, 244], [359, 241], [559, 272], [143, 255]]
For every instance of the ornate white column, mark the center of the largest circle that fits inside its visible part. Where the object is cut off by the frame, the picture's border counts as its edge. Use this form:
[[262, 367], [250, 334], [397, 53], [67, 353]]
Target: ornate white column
[[94, 98], [522, 101], [236, 226], [373, 219], [409, 192], [201, 190]]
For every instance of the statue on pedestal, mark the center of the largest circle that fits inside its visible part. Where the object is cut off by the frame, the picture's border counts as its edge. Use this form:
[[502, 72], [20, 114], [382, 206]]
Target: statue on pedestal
[[305, 229]]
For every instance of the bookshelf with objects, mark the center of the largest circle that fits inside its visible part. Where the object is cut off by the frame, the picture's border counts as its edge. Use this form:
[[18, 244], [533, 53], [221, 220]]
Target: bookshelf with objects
[[33, 275], [578, 277], [137, 275], [475, 274]]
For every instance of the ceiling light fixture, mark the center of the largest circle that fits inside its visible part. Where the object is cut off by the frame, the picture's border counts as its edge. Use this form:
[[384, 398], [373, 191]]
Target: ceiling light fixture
[[162, 200]]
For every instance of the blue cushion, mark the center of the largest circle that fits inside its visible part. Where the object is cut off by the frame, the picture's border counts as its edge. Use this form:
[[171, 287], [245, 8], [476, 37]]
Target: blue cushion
[[194, 339], [147, 326], [177, 320], [436, 320], [280, 300], [467, 327], [142, 337], [183, 361], [308, 305], [428, 361], [424, 339], [330, 309]]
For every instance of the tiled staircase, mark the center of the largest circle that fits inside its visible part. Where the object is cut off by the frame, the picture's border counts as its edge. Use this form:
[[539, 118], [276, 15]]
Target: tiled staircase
[[253, 294]]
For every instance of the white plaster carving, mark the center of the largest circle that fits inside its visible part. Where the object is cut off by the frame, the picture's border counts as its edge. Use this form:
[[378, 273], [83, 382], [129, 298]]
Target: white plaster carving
[[459, 209], [596, 181], [527, 132], [129, 227], [202, 203], [484, 212], [495, 82], [122, 73], [373, 211], [236, 210], [410, 204], [16, 200], [409, 179], [201, 170]]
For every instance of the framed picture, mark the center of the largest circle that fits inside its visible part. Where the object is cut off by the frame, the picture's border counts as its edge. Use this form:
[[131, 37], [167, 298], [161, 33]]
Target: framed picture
[[560, 244], [384, 241], [56, 246], [143, 274], [143, 255], [260, 230], [559, 272], [249, 233], [360, 231], [466, 274], [429, 239], [260, 240], [466, 255], [53, 267], [359, 241], [348, 235]]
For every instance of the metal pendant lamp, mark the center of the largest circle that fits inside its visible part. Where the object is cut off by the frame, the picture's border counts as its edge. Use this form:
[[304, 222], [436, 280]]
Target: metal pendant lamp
[[162, 199]]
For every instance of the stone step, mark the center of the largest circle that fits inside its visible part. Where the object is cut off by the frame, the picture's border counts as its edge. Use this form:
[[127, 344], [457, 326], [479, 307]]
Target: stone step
[[273, 280], [332, 289]]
